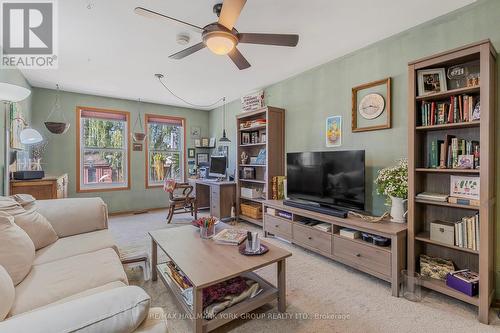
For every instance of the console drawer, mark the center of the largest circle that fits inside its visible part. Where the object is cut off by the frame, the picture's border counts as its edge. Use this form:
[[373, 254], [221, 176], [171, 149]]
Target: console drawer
[[317, 239], [377, 260], [277, 226]]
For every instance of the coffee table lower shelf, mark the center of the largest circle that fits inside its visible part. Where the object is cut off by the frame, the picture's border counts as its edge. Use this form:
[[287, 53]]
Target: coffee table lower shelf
[[268, 294]]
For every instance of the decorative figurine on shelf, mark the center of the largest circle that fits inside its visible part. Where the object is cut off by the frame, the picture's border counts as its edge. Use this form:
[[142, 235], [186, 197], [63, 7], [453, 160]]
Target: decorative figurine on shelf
[[244, 157]]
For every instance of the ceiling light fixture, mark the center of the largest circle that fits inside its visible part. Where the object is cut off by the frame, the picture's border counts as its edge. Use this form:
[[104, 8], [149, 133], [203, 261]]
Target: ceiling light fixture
[[220, 42]]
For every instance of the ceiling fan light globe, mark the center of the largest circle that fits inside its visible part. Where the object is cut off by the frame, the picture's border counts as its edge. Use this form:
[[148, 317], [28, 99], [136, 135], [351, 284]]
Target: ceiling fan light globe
[[220, 45], [30, 136]]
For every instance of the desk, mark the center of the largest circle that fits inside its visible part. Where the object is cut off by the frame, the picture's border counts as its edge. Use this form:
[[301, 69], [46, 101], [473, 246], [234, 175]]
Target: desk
[[219, 197]]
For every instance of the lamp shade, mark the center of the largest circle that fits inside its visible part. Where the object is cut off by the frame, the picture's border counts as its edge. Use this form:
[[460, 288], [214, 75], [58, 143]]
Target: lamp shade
[[30, 136], [12, 93]]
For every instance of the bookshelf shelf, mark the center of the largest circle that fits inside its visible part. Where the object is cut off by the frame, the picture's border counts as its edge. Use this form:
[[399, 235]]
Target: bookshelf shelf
[[425, 237], [420, 147], [469, 124], [445, 204], [449, 93], [275, 148], [451, 171]]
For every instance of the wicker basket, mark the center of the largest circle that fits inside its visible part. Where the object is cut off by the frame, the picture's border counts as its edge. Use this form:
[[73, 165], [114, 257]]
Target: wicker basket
[[253, 210]]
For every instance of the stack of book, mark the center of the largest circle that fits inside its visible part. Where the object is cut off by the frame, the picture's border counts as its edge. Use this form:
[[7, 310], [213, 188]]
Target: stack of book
[[230, 236], [278, 187], [349, 233], [454, 153], [433, 196], [459, 109], [467, 232], [326, 227]]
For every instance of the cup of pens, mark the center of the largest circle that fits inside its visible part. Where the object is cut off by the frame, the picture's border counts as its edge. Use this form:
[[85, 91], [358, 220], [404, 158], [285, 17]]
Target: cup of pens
[[207, 227]]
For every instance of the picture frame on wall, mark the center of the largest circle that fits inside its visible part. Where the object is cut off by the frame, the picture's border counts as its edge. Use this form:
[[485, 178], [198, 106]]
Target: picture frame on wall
[[334, 131], [195, 132], [204, 142], [202, 158], [191, 152], [371, 106], [211, 142], [431, 81]]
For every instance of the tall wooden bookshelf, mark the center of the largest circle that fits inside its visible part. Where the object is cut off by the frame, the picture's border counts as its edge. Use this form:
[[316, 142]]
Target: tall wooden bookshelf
[[274, 130], [422, 178]]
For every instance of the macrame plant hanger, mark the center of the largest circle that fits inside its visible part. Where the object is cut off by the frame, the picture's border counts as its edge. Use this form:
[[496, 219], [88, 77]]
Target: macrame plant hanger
[[57, 127], [138, 136]]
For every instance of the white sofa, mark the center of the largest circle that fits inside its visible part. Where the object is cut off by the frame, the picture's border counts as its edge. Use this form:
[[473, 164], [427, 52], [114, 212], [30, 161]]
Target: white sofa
[[78, 283]]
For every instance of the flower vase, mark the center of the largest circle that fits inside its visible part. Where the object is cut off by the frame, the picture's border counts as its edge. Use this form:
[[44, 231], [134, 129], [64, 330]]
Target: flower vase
[[398, 210]]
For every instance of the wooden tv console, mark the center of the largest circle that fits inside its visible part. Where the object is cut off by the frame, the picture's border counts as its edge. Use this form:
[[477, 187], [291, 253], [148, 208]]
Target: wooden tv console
[[385, 263]]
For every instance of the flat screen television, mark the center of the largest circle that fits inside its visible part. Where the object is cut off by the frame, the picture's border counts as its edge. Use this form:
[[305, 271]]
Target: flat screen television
[[333, 179], [218, 165]]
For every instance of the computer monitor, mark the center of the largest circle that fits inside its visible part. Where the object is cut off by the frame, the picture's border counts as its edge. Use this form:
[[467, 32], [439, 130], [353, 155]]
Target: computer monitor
[[218, 166]]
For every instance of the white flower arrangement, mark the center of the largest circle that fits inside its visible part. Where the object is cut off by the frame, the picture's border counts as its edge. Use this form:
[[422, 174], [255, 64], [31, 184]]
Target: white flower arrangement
[[393, 181]]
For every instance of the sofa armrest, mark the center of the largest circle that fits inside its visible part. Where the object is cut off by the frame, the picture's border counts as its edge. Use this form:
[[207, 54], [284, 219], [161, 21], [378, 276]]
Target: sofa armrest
[[74, 216], [120, 309]]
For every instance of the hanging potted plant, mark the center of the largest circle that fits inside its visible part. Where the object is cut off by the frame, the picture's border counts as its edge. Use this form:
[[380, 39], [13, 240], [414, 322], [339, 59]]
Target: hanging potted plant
[[138, 133], [57, 127], [393, 182]]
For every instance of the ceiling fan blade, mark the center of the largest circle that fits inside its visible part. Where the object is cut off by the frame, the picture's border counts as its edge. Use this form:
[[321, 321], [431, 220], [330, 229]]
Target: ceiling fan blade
[[269, 39], [238, 59], [152, 14], [190, 50], [231, 10]]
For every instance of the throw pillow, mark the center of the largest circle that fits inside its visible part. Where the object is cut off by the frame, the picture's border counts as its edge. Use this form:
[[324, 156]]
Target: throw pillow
[[17, 251], [36, 225], [7, 293]]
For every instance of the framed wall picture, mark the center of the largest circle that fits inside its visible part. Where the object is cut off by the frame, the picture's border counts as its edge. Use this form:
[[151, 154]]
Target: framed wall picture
[[211, 143], [197, 142], [431, 81], [195, 132], [136, 146], [202, 158], [371, 106], [334, 131], [191, 152], [204, 142]]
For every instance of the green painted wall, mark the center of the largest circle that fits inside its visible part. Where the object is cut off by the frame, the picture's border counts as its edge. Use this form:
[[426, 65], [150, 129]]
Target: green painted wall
[[312, 96], [60, 156], [12, 76]]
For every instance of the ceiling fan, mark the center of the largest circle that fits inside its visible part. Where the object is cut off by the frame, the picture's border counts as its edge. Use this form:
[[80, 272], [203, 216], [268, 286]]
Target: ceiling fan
[[221, 37]]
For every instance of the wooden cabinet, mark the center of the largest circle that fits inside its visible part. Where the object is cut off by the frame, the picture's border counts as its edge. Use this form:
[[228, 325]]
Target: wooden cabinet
[[219, 197], [42, 189], [383, 262]]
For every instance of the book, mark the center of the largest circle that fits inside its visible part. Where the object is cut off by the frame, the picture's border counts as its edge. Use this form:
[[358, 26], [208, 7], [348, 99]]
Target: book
[[461, 201], [230, 236], [433, 196], [349, 233], [326, 227]]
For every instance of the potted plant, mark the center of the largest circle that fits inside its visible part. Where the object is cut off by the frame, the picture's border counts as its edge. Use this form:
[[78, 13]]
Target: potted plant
[[393, 182]]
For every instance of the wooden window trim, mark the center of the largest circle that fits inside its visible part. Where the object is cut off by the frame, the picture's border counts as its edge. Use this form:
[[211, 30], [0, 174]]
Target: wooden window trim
[[146, 146], [79, 110]]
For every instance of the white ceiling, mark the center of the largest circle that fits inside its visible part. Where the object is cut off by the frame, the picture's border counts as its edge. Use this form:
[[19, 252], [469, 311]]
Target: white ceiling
[[110, 51]]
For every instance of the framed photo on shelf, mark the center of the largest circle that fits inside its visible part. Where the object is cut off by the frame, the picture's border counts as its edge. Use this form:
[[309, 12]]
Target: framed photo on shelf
[[202, 158], [212, 142], [204, 142], [371, 106], [431, 81], [191, 152], [197, 142], [464, 187]]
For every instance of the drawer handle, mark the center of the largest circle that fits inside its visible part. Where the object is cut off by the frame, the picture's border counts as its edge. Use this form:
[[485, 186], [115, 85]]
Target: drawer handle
[[310, 238], [277, 226], [358, 255]]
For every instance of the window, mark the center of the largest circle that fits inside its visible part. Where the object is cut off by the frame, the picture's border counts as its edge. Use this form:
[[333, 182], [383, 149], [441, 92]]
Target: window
[[103, 150], [165, 149]]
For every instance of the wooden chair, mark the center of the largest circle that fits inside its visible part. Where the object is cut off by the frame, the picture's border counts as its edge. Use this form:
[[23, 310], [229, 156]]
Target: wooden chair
[[180, 199]]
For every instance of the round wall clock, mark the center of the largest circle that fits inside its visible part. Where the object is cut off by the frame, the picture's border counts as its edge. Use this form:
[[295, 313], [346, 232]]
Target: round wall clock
[[371, 106]]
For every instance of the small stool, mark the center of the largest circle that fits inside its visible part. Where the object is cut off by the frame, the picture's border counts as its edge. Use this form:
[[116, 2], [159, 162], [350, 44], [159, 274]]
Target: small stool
[[135, 258]]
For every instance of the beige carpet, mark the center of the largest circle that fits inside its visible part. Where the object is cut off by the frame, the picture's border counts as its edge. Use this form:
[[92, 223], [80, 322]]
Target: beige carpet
[[322, 295]]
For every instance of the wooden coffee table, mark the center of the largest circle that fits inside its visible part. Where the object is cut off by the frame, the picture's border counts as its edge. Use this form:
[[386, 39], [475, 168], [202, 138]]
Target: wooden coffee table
[[206, 263]]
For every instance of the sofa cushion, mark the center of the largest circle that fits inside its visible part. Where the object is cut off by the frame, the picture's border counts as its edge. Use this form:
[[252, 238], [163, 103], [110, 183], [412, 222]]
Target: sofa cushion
[[88, 292], [116, 310], [10, 206], [74, 245], [7, 293], [17, 251], [53, 281]]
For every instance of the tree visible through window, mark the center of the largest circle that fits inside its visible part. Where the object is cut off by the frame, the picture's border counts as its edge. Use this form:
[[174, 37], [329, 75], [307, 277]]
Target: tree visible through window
[[103, 149], [165, 150]]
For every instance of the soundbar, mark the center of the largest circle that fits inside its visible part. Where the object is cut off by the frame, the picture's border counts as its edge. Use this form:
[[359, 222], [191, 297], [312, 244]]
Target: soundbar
[[316, 208]]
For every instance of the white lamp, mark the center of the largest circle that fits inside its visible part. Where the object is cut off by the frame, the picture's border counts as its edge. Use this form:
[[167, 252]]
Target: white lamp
[[10, 93], [29, 136]]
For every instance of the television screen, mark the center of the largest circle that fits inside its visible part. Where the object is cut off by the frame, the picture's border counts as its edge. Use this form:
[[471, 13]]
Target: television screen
[[334, 178]]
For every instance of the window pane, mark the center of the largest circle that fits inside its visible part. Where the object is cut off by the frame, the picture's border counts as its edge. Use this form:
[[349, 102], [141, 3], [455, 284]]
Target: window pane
[[100, 133], [103, 167], [164, 136], [164, 165]]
